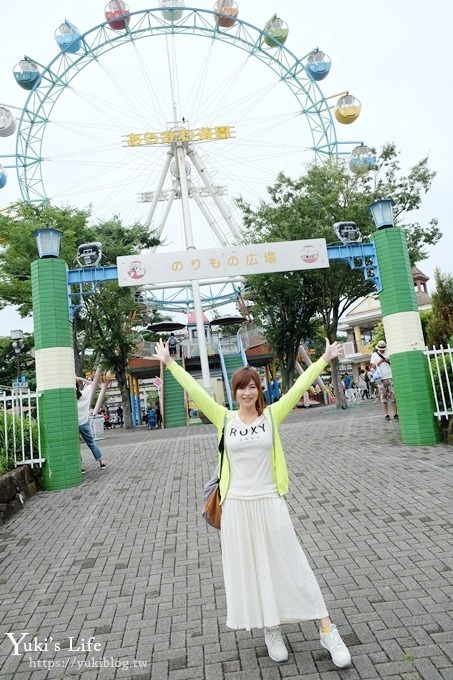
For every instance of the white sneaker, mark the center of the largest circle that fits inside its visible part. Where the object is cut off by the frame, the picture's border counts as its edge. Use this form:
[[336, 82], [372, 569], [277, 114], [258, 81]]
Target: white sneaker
[[335, 645], [275, 645]]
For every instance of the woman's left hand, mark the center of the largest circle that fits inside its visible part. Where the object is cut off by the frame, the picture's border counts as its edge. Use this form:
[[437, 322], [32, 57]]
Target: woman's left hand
[[332, 351], [161, 351]]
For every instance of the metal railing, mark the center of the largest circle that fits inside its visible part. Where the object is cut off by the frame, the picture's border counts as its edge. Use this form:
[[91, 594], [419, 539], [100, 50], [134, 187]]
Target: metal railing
[[20, 427], [440, 362]]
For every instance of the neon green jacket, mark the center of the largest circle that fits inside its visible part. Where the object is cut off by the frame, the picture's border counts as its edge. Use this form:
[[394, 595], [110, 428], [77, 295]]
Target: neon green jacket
[[220, 416]]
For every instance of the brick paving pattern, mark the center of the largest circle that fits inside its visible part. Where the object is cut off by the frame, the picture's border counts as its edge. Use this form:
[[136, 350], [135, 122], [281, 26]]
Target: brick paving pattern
[[121, 578]]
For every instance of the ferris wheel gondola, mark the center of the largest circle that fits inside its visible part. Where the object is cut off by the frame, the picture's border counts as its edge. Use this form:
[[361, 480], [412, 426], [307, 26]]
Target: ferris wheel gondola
[[362, 159], [27, 73], [276, 32], [171, 10], [228, 12], [67, 37], [7, 122], [3, 177], [318, 64], [116, 14]]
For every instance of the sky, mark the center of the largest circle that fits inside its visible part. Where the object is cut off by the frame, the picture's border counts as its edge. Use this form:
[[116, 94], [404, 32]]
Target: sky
[[392, 56]]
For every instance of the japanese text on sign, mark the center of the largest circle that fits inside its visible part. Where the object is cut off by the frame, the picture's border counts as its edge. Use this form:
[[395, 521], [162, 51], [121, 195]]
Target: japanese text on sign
[[204, 134], [214, 263]]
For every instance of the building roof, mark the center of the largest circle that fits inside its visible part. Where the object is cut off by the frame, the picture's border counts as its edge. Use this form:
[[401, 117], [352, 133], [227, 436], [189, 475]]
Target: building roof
[[192, 319]]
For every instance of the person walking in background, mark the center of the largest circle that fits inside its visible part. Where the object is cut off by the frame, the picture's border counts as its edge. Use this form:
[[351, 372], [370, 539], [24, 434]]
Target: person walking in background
[[363, 385], [84, 396], [172, 344], [372, 383], [348, 389], [383, 371], [158, 414], [120, 415], [268, 580]]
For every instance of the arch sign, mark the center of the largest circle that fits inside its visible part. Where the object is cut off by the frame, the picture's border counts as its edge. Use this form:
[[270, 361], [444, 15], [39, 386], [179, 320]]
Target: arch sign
[[211, 263]]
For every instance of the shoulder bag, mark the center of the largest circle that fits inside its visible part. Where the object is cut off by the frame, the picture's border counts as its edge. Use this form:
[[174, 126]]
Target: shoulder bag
[[212, 510]]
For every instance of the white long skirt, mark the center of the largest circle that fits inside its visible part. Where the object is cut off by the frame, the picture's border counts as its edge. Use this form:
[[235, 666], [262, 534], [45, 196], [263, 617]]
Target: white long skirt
[[268, 580]]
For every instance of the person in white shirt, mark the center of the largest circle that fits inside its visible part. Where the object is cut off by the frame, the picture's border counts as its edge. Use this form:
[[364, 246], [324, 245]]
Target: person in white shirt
[[381, 363], [84, 394]]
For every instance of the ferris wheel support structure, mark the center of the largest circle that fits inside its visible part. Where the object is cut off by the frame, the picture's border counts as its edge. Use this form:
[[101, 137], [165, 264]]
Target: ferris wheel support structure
[[190, 245], [204, 176]]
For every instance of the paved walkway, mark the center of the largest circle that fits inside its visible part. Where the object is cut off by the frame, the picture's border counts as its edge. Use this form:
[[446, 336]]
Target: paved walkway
[[121, 578]]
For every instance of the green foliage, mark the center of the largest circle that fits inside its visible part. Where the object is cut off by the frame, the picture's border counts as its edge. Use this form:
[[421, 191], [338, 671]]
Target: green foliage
[[103, 325], [440, 323], [443, 378], [11, 433], [305, 208], [425, 317], [8, 362]]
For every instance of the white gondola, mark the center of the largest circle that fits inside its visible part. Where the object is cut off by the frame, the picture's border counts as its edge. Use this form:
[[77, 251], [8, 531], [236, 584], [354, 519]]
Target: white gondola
[[7, 122], [171, 14]]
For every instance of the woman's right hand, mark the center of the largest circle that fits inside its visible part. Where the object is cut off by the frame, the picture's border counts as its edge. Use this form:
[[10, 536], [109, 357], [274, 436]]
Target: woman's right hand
[[162, 352]]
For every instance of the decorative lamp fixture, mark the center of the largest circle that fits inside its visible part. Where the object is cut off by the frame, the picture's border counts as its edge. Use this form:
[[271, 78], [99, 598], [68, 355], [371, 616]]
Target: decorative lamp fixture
[[17, 335], [18, 344], [89, 254], [348, 232], [48, 241], [382, 213]]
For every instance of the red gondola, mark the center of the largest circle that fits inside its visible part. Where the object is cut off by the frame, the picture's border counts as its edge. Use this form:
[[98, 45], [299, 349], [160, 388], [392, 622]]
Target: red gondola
[[228, 11], [115, 13]]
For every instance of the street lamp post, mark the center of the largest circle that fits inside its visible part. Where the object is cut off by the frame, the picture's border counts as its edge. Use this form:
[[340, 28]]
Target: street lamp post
[[55, 368], [403, 330], [17, 337]]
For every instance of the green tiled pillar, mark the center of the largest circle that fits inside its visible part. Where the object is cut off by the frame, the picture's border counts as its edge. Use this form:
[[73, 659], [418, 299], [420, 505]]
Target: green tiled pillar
[[404, 336], [55, 374]]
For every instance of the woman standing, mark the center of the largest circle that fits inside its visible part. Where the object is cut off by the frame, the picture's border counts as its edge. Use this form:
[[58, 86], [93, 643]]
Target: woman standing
[[268, 580]]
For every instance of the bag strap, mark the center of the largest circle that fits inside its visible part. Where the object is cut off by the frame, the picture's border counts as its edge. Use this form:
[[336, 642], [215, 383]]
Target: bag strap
[[221, 450], [384, 358]]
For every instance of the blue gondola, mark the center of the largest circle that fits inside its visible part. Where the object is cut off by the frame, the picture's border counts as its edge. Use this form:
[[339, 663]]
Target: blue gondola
[[362, 159], [27, 74], [68, 37], [3, 177], [318, 65]]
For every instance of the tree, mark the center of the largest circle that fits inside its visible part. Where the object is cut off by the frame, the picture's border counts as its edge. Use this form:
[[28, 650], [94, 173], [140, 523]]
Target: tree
[[8, 362], [308, 208], [440, 323], [110, 340]]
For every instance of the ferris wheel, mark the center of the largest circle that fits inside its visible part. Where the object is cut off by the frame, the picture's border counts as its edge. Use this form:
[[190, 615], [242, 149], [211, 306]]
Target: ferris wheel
[[141, 118]]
